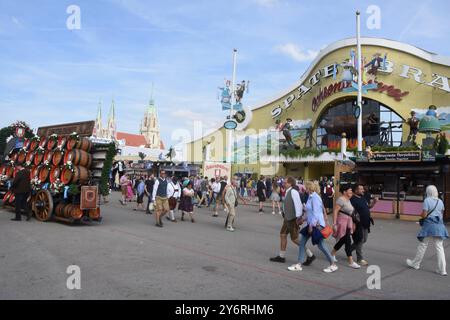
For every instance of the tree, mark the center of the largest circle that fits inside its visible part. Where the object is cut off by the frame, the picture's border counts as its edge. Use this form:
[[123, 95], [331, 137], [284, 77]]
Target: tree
[[142, 155]]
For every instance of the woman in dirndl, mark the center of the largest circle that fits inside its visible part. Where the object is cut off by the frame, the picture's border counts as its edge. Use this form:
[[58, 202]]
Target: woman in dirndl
[[186, 201]]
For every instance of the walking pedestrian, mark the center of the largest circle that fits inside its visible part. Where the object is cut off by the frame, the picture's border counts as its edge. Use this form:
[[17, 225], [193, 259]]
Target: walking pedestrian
[[124, 181], [316, 221], [174, 190], [186, 201], [433, 229], [21, 187], [328, 193], [261, 193], [149, 183], [160, 198], [343, 225], [216, 195], [232, 197], [275, 197], [362, 227], [140, 192], [292, 209]]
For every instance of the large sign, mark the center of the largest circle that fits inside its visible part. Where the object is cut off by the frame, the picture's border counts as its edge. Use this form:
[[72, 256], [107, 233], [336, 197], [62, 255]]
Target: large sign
[[412, 156], [440, 82], [84, 129], [217, 170]]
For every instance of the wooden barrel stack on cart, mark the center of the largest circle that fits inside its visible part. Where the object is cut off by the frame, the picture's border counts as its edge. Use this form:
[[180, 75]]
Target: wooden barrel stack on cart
[[55, 160]]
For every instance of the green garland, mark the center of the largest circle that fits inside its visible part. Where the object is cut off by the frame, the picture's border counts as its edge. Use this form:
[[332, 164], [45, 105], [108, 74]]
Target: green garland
[[104, 181]]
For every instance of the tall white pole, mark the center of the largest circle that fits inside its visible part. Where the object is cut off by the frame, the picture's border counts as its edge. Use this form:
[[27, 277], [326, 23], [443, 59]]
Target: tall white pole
[[233, 101], [360, 71]]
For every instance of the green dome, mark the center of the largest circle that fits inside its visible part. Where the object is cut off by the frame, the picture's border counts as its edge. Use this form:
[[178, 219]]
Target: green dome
[[429, 125]]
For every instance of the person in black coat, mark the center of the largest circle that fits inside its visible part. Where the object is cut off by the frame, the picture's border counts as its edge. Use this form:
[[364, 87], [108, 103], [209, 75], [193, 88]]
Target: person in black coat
[[261, 190], [21, 187]]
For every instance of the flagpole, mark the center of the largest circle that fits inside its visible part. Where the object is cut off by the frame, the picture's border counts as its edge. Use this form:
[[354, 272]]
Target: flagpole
[[360, 75], [233, 101]]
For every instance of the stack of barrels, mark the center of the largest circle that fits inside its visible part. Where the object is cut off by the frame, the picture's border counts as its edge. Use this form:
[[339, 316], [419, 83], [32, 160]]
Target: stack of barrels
[[49, 157]]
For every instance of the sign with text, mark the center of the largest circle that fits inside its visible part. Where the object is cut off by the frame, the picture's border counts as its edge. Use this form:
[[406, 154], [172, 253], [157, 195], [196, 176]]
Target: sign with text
[[411, 156], [84, 129]]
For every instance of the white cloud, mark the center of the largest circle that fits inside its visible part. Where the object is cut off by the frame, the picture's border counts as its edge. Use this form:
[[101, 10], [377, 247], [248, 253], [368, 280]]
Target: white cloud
[[295, 52]]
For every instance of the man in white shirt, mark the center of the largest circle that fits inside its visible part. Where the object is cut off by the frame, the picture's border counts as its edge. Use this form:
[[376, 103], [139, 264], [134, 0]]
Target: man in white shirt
[[292, 212], [216, 186], [161, 193]]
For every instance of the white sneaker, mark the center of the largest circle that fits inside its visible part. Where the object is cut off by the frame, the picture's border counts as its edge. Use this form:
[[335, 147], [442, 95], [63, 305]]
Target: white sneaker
[[354, 265], [331, 269], [441, 273], [273, 212], [295, 267], [230, 229], [411, 264]]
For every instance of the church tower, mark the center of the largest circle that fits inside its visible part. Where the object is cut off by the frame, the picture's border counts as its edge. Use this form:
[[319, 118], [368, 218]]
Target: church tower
[[150, 126], [98, 128], [111, 130]]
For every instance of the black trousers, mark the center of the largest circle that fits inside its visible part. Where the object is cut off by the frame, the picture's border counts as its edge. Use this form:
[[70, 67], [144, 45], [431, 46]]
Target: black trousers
[[347, 240], [21, 204]]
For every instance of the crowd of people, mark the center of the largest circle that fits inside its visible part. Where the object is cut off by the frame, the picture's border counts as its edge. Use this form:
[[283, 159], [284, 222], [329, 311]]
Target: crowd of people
[[308, 209]]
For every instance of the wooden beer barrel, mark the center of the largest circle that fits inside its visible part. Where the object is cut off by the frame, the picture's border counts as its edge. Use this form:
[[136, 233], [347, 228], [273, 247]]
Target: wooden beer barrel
[[51, 144], [44, 173], [21, 157], [26, 143], [43, 142], [55, 173], [62, 141], [77, 175], [34, 144], [30, 156], [38, 158], [68, 211], [48, 156], [7, 198], [94, 213], [78, 157], [83, 144], [8, 171], [58, 156], [13, 156], [34, 172]]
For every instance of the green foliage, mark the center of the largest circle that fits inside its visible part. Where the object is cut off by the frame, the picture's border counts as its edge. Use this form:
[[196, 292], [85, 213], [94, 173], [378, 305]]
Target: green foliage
[[74, 189], [394, 149], [142, 155], [104, 182], [302, 153]]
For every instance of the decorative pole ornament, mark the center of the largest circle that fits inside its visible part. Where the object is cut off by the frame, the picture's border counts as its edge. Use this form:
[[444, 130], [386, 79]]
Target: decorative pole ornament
[[360, 71]]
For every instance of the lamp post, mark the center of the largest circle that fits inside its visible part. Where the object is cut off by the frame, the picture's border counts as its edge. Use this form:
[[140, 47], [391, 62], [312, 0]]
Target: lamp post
[[233, 101], [360, 71]]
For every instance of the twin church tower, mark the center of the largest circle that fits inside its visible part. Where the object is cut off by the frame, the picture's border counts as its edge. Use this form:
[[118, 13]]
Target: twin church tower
[[149, 125]]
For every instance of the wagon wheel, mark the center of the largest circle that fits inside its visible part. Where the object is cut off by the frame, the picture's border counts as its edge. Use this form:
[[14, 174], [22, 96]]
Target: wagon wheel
[[43, 205]]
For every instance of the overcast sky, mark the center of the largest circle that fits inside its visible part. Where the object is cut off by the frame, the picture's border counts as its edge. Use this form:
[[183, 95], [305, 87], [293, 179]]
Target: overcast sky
[[49, 74]]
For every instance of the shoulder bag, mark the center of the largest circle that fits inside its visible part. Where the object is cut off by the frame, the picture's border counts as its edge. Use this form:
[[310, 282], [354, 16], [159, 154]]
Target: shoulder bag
[[422, 221]]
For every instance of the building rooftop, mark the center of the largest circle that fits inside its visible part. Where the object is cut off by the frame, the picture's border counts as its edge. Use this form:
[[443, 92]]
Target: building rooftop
[[132, 140]]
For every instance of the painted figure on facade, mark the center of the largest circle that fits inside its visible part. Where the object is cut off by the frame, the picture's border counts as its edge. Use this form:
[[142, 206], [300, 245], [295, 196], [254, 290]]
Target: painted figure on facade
[[225, 98], [413, 124], [286, 128]]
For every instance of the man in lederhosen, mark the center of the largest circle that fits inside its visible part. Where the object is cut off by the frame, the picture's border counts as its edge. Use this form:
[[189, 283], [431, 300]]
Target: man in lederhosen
[[160, 198]]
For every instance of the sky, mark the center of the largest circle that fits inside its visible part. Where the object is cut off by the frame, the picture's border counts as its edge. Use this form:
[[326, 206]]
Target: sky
[[50, 74]]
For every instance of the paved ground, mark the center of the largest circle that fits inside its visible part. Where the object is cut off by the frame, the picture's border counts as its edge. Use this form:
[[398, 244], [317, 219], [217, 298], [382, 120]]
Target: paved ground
[[126, 257]]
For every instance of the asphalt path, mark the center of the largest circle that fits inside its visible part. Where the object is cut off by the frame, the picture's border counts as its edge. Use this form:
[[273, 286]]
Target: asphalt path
[[127, 257]]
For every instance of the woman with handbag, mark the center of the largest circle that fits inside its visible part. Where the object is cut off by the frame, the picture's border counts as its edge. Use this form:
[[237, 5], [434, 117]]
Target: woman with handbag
[[343, 225], [432, 228], [317, 228]]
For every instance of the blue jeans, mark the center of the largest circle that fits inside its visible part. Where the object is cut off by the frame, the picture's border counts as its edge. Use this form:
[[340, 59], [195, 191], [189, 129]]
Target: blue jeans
[[322, 247]]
